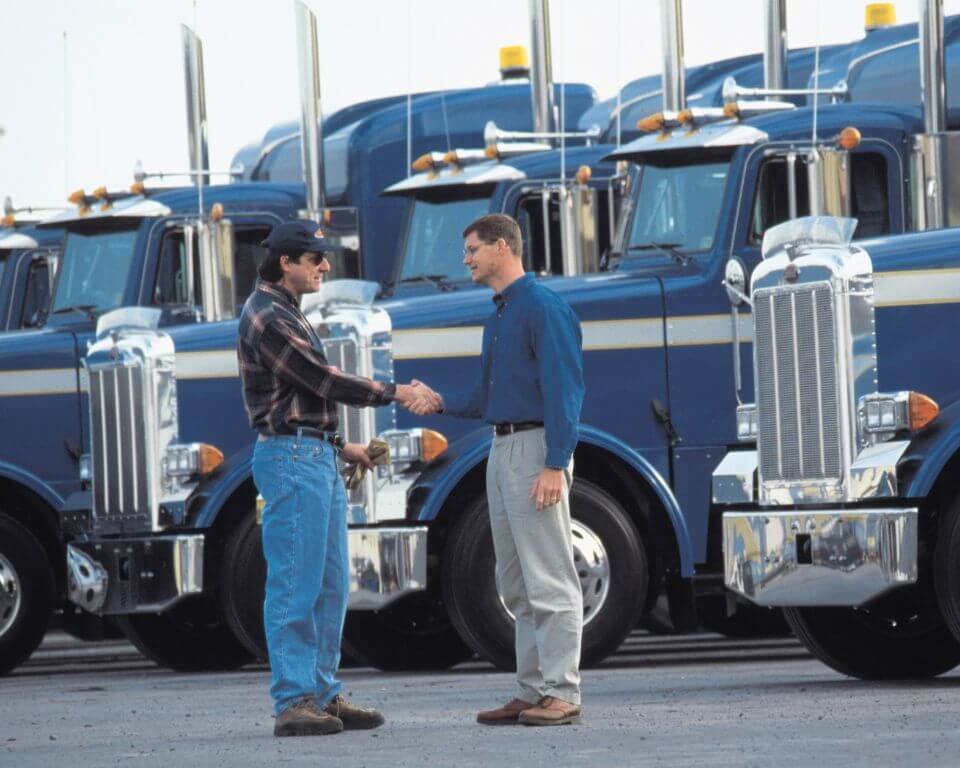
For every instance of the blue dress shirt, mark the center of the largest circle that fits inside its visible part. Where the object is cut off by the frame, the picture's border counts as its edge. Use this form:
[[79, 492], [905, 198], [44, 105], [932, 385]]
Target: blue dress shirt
[[531, 367]]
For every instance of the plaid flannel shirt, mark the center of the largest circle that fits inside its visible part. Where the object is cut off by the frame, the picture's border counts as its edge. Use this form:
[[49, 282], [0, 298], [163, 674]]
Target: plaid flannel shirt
[[287, 381]]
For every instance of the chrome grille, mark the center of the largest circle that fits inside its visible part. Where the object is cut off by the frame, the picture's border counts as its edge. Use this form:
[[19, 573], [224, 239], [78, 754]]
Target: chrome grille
[[797, 405], [119, 451]]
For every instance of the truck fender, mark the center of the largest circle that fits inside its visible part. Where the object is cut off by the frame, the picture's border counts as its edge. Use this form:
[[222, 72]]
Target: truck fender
[[236, 470], [439, 480], [32, 483], [931, 451]]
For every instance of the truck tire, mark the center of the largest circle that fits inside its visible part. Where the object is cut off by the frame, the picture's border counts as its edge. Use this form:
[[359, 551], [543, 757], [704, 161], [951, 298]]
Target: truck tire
[[413, 634], [243, 576], [947, 567], [747, 621], [900, 637], [190, 637], [27, 593], [615, 589]]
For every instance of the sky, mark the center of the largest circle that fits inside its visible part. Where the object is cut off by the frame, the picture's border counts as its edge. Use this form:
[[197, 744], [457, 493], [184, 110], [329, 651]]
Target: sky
[[91, 87]]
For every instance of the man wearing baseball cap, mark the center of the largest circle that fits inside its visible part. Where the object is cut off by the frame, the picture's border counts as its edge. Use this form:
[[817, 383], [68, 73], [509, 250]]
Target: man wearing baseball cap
[[291, 394]]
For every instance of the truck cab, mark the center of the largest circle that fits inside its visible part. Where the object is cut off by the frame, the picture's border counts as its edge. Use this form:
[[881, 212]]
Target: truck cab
[[28, 265]]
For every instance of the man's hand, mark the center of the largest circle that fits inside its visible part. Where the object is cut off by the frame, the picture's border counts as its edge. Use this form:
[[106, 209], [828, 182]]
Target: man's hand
[[418, 398], [354, 453], [547, 488]]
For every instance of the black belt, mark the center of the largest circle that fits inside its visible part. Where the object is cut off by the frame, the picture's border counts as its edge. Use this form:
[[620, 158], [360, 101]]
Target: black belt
[[520, 426], [333, 438]]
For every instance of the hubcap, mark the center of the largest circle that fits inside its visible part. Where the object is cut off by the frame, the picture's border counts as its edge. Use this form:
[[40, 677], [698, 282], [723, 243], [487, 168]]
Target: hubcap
[[593, 569], [9, 595]]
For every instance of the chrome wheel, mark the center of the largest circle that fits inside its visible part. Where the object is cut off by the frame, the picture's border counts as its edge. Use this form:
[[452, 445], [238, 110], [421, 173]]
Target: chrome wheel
[[9, 595], [593, 569]]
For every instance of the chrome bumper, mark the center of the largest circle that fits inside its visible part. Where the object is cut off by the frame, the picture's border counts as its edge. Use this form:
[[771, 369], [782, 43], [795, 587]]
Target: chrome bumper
[[824, 557], [117, 576], [114, 576]]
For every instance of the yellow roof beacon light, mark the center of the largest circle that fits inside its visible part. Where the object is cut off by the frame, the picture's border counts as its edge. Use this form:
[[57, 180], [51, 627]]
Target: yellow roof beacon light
[[849, 138], [514, 62], [877, 15]]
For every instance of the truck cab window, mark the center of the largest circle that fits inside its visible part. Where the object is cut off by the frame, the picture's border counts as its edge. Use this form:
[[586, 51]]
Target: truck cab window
[[171, 285], [36, 298], [771, 206], [95, 269], [870, 204], [542, 247], [434, 241], [247, 255]]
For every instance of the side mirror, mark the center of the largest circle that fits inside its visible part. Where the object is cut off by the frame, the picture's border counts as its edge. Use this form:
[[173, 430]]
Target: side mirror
[[735, 281]]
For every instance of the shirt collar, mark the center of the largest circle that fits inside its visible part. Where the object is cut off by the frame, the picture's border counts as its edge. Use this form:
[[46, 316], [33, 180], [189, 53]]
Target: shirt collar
[[512, 290], [278, 292]]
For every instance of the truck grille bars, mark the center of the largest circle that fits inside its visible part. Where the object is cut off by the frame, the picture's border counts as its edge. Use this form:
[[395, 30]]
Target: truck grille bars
[[120, 464], [797, 406]]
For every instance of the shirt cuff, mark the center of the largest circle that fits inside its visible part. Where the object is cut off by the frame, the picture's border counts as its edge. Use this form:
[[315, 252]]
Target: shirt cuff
[[389, 393]]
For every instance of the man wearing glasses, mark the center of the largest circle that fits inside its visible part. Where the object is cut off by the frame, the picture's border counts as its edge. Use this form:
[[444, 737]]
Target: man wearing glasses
[[530, 389], [291, 394]]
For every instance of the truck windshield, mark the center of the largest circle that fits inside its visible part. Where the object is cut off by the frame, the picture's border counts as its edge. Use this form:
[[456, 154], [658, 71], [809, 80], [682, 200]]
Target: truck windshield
[[94, 270], [434, 245], [677, 206]]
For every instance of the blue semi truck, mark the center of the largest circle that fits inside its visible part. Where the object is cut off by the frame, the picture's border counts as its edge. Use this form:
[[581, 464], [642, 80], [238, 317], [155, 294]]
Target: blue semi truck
[[699, 192], [28, 265], [186, 258]]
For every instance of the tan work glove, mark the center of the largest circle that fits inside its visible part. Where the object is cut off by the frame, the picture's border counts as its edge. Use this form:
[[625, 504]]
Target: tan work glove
[[379, 452]]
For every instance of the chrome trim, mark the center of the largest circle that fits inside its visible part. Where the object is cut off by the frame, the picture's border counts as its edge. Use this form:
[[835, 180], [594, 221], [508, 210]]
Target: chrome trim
[[385, 565], [145, 318], [87, 580], [133, 207], [775, 44], [726, 133], [734, 479], [851, 556], [482, 173], [143, 575], [873, 473], [932, 66]]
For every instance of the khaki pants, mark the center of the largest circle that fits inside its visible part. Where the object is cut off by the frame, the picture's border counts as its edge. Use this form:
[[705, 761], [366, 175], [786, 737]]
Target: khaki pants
[[535, 570]]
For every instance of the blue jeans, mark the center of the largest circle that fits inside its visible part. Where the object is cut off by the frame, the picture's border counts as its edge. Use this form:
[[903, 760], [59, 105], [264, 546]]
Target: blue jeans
[[305, 546]]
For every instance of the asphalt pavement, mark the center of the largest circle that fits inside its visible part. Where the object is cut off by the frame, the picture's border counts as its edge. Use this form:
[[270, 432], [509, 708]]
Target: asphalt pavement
[[695, 700]]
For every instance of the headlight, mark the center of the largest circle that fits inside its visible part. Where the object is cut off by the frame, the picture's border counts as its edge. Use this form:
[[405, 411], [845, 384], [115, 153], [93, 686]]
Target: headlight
[[190, 459], [747, 422], [882, 415], [410, 445]]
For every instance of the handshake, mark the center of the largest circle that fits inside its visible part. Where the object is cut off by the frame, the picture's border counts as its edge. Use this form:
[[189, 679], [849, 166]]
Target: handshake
[[418, 398]]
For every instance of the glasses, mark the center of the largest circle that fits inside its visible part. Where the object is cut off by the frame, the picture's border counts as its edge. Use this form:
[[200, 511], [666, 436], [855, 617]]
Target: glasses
[[471, 250], [316, 258]]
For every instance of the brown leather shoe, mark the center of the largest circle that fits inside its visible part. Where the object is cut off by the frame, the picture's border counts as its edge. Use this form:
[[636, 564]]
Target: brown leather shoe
[[354, 718], [551, 711], [508, 714], [302, 718]]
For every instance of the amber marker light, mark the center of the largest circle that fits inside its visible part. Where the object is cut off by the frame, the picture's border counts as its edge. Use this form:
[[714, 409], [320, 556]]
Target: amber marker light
[[77, 197], [432, 444], [849, 138], [137, 188], [100, 193], [922, 410], [422, 163], [731, 110], [8, 221], [216, 211], [583, 174], [451, 158], [492, 152], [651, 123], [208, 458], [685, 116]]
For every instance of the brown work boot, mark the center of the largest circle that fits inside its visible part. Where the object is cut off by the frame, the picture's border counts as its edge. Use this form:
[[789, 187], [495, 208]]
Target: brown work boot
[[354, 718], [551, 711], [303, 718], [505, 715]]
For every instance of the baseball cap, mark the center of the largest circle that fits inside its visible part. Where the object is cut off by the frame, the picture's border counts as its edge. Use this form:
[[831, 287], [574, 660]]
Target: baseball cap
[[295, 237]]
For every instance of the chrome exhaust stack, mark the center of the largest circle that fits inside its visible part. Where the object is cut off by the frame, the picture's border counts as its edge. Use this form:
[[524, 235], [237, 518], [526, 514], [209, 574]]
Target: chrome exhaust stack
[[196, 106], [671, 37], [775, 44], [311, 133], [541, 68], [936, 201]]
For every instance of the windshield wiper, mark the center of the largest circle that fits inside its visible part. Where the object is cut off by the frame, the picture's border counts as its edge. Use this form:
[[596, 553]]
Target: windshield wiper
[[669, 249], [440, 281], [84, 309]]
